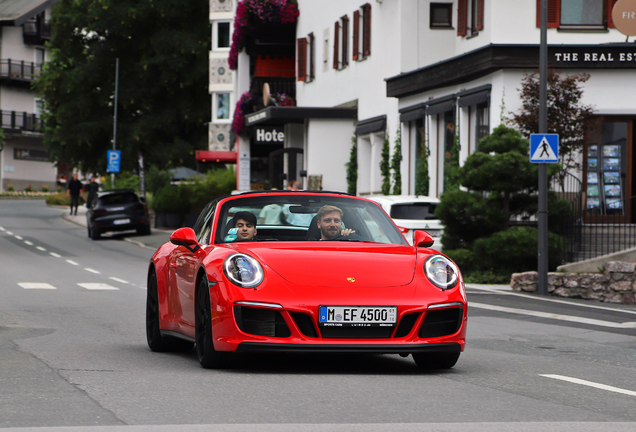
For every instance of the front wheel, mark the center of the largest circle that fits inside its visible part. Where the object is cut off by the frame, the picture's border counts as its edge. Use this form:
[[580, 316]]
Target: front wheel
[[208, 356], [444, 360], [156, 341]]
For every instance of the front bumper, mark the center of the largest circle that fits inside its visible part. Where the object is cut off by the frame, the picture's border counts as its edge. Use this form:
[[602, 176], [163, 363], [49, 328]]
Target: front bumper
[[349, 348]]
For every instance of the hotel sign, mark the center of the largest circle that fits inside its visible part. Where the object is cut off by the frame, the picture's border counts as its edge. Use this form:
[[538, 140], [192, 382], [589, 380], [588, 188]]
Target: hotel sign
[[593, 57]]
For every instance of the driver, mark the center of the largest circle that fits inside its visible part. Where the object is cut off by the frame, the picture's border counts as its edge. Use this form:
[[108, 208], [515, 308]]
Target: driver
[[245, 226], [330, 223]]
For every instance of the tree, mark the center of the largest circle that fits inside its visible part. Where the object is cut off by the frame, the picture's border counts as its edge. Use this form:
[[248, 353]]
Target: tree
[[385, 166], [164, 104], [352, 167], [396, 162], [566, 115]]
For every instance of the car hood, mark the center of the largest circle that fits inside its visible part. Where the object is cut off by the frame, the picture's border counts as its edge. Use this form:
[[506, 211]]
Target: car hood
[[335, 264]]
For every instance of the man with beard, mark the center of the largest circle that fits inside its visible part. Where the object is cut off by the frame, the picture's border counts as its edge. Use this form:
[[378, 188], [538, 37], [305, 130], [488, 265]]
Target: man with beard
[[330, 223]]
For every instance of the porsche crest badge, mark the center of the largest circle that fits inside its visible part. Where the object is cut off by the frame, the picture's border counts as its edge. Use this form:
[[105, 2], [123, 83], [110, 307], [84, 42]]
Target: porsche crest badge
[[350, 279]]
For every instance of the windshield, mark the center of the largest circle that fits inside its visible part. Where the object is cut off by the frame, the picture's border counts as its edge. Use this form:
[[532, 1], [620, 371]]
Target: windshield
[[413, 211], [299, 217]]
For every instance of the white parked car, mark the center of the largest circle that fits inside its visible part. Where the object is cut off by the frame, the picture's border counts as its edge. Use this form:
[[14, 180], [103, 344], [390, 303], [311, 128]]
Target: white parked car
[[410, 212]]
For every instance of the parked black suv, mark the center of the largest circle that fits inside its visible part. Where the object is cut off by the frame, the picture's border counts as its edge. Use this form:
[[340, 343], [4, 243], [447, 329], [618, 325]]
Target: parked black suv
[[117, 210]]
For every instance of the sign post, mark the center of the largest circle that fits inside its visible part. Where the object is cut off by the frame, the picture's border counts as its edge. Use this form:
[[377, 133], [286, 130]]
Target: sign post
[[542, 252]]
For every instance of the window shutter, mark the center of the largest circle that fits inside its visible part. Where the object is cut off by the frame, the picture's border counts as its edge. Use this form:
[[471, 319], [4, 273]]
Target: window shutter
[[336, 43], [311, 56], [610, 6], [356, 34], [366, 30], [462, 17], [480, 15], [302, 59], [554, 13], [345, 40]]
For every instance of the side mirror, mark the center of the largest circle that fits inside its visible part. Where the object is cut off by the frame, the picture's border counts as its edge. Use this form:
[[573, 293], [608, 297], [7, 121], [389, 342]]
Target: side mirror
[[185, 237], [422, 239]]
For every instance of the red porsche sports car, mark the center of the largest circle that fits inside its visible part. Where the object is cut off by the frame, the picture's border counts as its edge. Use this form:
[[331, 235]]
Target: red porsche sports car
[[294, 271]]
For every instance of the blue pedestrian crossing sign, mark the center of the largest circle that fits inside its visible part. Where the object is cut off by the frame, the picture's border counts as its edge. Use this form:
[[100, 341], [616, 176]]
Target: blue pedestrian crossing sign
[[544, 148], [113, 158]]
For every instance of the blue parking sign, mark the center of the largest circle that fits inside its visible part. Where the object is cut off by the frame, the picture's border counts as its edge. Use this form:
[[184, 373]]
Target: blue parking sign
[[114, 161], [544, 148]]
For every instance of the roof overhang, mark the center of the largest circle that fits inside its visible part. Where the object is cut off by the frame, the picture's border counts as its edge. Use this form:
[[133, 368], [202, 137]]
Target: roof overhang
[[16, 13], [283, 115], [210, 156], [490, 58]]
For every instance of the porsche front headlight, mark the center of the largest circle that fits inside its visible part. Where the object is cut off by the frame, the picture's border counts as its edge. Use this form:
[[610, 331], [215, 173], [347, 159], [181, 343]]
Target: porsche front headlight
[[441, 271], [243, 270]]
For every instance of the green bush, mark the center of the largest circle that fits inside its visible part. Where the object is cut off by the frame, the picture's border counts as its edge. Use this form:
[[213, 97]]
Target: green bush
[[462, 257], [216, 183], [487, 277], [170, 199], [59, 198], [124, 180], [156, 179]]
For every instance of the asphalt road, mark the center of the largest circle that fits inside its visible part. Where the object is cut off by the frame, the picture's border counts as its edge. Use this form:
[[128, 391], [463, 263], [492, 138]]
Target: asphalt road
[[73, 356]]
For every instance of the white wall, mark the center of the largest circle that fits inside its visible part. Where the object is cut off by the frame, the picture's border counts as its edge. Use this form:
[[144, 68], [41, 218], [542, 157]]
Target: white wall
[[327, 152]]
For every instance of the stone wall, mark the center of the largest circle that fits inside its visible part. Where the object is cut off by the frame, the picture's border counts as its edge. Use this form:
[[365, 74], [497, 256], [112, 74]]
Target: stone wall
[[615, 285]]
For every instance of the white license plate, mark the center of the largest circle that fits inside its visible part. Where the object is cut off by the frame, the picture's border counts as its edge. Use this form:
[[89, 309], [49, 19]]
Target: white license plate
[[358, 316], [121, 221]]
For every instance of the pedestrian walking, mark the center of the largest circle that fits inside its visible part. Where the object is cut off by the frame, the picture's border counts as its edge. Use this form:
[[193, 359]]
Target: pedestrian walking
[[74, 188], [92, 188]]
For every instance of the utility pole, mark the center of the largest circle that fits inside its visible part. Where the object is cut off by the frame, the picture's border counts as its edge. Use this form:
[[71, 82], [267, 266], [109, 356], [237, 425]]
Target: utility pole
[[112, 175], [543, 167]]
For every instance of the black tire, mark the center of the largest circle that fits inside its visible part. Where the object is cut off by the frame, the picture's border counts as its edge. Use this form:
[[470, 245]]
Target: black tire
[[94, 233], [144, 230], [208, 356], [156, 341], [436, 360]]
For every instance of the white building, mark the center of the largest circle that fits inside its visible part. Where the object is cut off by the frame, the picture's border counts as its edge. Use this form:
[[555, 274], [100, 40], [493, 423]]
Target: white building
[[24, 29], [442, 72]]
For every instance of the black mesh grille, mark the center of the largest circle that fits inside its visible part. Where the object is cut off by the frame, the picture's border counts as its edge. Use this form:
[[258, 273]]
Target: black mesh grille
[[261, 322], [442, 322], [406, 324], [305, 324]]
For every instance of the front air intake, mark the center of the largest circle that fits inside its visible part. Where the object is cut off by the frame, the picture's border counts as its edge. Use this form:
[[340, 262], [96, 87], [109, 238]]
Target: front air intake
[[261, 322], [441, 322]]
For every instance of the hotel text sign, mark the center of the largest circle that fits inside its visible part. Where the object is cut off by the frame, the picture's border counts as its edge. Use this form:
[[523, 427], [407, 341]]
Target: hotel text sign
[[593, 57]]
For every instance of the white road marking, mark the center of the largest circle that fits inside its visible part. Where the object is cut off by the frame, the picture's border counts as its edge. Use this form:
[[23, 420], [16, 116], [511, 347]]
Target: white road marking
[[55, 255], [40, 248], [28, 242], [72, 262], [2, 229], [98, 286], [552, 300], [9, 232], [118, 280], [91, 270], [560, 317], [18, 237], [590, 384], [36, 285]]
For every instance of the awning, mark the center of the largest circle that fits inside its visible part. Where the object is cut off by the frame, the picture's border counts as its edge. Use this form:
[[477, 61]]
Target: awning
[[207, 156], [474, 96], [282, 115], [412, 113], [374, 124], [441, 105]]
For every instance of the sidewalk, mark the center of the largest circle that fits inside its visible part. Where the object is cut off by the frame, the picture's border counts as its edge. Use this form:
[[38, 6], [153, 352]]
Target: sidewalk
[[153, 241]]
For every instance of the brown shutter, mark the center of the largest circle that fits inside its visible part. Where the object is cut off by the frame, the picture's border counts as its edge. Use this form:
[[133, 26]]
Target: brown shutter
[[345, 40], [610, 7], [462, 17], [554, 13], [366, 30], [311, 56], [356, 34], [336, 43], [480, 15], [302, 59]]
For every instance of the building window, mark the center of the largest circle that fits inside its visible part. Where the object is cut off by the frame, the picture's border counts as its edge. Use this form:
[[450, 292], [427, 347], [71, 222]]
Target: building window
[[221, 35], [470, 17], [340, 43], [578, 14], [305, 58], [441, 15], [483, 121], [39, 56], [31, 155], [361, 43], [222, 107]]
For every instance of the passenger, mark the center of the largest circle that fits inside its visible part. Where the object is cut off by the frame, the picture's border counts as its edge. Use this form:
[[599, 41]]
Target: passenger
[[330, 223], [245, 226], [272, 214]]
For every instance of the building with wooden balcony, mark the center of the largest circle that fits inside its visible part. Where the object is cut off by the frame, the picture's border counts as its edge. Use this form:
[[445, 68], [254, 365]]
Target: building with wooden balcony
[[24, 30]]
